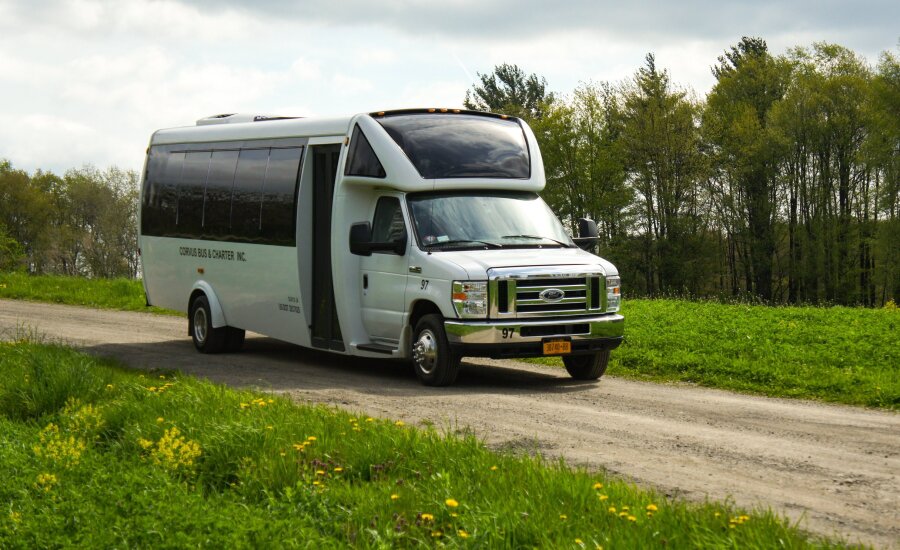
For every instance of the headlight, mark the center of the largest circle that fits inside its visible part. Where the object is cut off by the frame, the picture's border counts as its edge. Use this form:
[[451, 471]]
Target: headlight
[[613, 293], [470, 298]]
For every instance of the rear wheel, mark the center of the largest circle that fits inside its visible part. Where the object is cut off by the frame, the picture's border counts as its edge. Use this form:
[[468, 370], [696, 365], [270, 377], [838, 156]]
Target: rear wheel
[[587, 367], [206, 338], [434, 361]]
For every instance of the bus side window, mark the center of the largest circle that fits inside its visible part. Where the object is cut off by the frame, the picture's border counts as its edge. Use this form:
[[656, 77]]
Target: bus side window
[[167, 196], [279, 197], [246, 196], [190, 193], [217, 203]]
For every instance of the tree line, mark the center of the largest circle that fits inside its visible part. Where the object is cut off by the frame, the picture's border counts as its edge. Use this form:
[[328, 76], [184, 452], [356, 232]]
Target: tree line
[[780, 185], [82, 223]]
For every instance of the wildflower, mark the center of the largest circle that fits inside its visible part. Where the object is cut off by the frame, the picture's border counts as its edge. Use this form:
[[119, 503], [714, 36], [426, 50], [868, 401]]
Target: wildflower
[[173, 451], [427, 517], [320, 472], [311, 438], [269, 427], [493, 468], [462, 534], [317, 482], [244, 405], [160, 419], [649, 514], [15, 517], [109, 386], [436, 534], [299, 446], [145, 443], [451, 503], [603, 497], [57, 447], [282, 453], [270, 401], [395, 496], [563, 517], [161, 377], [399, 423], [370, 419], [598, 485], [626, 508], [45, 482], [612, 510], [579, 541], [151, 388], [652, 508], [632, 518]]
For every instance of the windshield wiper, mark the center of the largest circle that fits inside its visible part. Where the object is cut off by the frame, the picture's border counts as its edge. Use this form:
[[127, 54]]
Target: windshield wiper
[[560, 243], [465, 241]]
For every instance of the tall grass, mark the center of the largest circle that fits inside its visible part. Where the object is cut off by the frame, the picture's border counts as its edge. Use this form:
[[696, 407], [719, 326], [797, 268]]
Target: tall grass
[[124, 294], [119, 458]]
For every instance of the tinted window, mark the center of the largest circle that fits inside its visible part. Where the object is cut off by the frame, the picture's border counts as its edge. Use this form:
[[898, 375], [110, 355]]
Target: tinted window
[[388, 225], [361, 158], [167, 193], [247, 196], [190, 193], [461, 146], [279, 196], [151, 222], [217, 204]]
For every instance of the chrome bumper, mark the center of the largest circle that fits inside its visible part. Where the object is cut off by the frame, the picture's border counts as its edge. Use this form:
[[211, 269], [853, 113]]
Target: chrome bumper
[[610, 327]]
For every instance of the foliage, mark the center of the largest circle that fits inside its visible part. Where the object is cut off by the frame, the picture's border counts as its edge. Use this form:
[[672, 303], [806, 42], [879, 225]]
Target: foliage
[[84, 223], [266, 472], [509, 91]]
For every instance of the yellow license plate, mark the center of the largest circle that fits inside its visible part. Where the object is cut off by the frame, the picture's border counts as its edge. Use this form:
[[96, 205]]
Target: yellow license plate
[[557, 347]]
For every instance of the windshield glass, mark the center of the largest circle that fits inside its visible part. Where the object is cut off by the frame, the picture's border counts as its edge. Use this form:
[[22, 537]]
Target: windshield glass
[[461, 146], [491, 219]]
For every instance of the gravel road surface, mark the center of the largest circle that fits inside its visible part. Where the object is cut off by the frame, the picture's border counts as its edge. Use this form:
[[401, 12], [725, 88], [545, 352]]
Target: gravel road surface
[[834, 469]]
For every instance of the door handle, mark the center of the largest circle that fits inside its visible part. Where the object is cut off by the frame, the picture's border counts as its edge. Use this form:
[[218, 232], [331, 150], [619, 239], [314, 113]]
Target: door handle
[[415, 269], [365, 281]]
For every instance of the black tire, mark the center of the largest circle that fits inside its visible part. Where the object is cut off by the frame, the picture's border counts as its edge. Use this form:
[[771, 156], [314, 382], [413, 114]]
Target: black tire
[[234, 339], [206, 338], [587, 367], [433, 360]]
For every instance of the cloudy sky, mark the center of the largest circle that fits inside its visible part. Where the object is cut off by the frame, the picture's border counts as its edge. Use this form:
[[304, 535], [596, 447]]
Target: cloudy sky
[[87, 81]]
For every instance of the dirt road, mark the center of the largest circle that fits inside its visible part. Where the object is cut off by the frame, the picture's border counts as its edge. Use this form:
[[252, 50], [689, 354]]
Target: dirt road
[[834, 469]]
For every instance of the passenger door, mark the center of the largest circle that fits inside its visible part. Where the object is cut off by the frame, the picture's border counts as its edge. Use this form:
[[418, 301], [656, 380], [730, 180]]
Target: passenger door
[[384, 274]]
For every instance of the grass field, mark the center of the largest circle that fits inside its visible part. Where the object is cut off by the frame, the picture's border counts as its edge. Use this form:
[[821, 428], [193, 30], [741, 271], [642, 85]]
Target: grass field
[[95, 455], [838, 354]]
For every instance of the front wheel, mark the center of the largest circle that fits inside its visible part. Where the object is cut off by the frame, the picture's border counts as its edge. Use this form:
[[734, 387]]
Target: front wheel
[[587, 367], [434, 361]]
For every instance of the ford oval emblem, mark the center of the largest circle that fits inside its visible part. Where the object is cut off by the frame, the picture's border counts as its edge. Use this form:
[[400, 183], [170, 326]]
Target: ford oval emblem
[[552, 295]]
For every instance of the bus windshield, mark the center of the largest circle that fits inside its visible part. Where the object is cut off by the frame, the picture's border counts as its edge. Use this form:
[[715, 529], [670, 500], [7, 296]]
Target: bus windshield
[[497, 219], [461, 146]]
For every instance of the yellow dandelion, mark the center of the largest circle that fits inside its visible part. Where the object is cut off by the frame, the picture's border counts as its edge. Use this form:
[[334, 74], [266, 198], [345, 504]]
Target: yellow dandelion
[[161, 377], [399, 423], [395, 496], [320, 472], [649, 514], [283, 453], [311, 438], [244, 405], [603, 497], [632, 518], [493, 468], [454, 515], [436, 534], [317, 482], [563, 517], [612, 510], [338, 469], [462, 534], [152, 388], [427, 517], [744, 518], [270, 401], [626, 508], [717, 514], [579, 541], [598, 485], [370, 419], [299, 446], [160, 419], [269, 428], [451, 503], [109, 386], [652, 508]]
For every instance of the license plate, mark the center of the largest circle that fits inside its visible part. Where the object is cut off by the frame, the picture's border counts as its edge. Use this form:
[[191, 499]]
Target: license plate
[[557, 347]]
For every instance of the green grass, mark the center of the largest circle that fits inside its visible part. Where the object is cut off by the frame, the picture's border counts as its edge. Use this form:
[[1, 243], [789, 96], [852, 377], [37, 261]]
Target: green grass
[[89, 457], [839, 354], [124, 294]]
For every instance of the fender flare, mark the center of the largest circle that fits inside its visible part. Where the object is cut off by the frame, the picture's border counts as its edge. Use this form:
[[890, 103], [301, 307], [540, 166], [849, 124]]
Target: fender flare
[[218, 316]]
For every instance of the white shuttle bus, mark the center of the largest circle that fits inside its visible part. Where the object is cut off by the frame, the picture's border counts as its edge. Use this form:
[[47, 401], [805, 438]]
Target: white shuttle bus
[[414, 234]]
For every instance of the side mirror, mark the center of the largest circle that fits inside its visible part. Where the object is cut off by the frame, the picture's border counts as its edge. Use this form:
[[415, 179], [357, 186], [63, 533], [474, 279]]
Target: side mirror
[[361, 239], [588, 235]]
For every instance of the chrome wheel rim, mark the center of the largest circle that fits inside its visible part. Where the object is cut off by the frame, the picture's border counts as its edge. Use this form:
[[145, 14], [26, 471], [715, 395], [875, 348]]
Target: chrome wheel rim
[[200, 325], [425, 352]]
